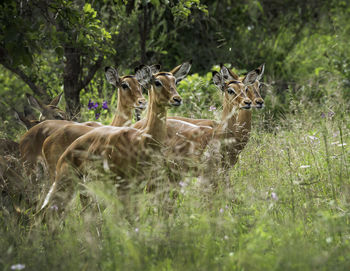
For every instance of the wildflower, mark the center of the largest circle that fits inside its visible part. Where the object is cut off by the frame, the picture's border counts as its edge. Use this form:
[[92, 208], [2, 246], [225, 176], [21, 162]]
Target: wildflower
[[104, 105], [331, 114], [313, 138], [182, 184], [136, 229], [54, 207], [274, 196], [95, 105], [305, 166], [231, 254], [97, 115], [329, 240], [323, 115], [17, 266], [226, 237], [221, 210], [212, 108], [90, 104]]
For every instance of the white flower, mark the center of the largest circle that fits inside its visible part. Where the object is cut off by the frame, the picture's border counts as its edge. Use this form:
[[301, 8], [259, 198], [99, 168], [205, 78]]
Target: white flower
[[305, 166], [18, 266], [341, 145], [312, 138], [136, 229], [226, 237]]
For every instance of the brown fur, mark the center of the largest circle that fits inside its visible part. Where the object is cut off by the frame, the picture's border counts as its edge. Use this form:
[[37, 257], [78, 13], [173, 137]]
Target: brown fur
[[123, 149], [129, 99]]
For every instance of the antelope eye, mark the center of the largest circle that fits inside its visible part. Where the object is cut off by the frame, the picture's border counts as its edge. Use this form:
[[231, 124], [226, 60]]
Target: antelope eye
[[158, 83], [125, 85], [231, 91]]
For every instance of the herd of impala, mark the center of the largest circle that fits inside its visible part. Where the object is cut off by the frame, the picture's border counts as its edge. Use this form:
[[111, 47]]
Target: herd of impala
[[67, 149]]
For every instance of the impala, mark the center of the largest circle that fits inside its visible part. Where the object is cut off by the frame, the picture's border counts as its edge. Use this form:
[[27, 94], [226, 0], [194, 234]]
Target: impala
[[25, 120], [130, 98], [50, 111], [253, 92], [9, 147], [124, 149], [235, 122]]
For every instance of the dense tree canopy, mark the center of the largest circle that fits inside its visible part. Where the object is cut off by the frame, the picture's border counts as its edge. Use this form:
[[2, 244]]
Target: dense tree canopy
[[50, 46]]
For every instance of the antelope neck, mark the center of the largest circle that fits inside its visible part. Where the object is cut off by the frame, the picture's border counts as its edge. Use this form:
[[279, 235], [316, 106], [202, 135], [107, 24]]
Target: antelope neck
[[243, 127], [123, 113], [228, 119], [156, 119]]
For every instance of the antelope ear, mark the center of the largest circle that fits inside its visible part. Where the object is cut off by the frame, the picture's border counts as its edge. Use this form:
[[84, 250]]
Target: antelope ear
[[227, 74], [21, 119], [155, 68], [218, 81], [143, 74], [35, 103], [250, 78], [181, 71], [260, 70], [55, 101], [112, 76], [17, 116]]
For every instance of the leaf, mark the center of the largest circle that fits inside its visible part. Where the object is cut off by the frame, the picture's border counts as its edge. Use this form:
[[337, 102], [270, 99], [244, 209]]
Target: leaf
[[59, 51]]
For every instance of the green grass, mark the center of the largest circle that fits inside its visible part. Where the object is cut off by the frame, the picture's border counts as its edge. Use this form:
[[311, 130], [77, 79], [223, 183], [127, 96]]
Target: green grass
[[284, 206]]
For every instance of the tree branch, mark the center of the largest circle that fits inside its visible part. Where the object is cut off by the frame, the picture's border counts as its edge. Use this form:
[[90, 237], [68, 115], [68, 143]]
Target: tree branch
[[36, 89], [91, 73]]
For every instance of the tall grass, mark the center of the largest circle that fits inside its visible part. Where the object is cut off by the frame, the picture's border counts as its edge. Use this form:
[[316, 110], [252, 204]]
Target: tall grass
[[284, 206]]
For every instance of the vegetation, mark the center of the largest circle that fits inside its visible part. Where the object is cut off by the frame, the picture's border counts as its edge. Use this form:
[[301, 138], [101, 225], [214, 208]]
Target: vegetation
[[283, 206]]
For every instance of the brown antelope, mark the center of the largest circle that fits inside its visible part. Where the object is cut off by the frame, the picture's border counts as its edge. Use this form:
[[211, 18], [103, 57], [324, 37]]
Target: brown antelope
[[122, 149], [9, 147], [50, 111], [253, 93], [235, 125], [237, 94], [30, 154], [129, 98], [25, 120]]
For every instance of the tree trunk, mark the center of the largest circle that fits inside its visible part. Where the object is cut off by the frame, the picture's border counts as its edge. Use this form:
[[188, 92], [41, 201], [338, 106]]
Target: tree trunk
[[143, 31], [71, 80]]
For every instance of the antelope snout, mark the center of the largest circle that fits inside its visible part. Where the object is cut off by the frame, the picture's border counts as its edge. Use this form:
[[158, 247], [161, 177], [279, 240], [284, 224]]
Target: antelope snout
[[141, 103], [176, 100], [246, 104], [259, 103]]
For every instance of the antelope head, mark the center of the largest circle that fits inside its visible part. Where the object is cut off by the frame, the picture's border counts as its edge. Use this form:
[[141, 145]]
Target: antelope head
[[50, 111], [130, 90], [25, 120], [233, 89], [164, 84], [254, 90]]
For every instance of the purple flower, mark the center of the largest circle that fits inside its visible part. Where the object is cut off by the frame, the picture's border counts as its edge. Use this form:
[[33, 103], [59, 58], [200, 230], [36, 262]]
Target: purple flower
[[54, 207], [212, 108], [274, 196], [90, 104], [95, 105], [104, 105], [97, 115]]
